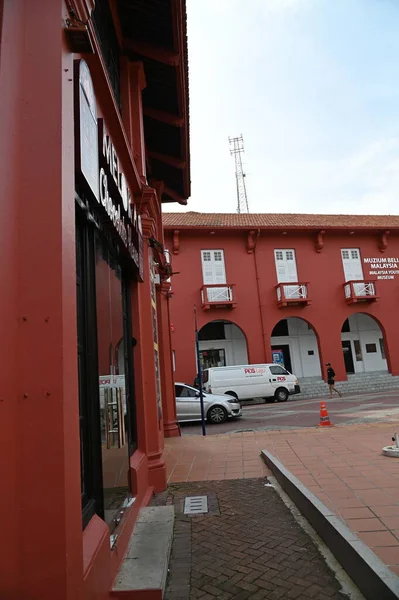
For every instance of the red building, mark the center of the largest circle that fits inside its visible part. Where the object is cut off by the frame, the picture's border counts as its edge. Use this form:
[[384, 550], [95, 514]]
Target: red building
[[93, 138], [297, 289]]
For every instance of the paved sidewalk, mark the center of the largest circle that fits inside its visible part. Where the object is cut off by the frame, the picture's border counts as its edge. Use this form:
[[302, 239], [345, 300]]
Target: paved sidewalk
[[248, 546], [343, 466]]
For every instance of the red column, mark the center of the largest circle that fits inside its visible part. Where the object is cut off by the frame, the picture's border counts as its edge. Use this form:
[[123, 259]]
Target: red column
[[170, 425], [149, 414], [330, 349], [39, 408]]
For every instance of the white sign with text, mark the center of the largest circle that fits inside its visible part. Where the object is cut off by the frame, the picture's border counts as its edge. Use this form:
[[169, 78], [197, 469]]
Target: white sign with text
[[382, 267]]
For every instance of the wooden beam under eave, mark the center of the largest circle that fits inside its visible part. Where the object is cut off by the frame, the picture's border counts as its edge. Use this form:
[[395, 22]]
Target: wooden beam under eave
[[174, 195], [162, 55], [164, 117], [168, 159], [117, 23]]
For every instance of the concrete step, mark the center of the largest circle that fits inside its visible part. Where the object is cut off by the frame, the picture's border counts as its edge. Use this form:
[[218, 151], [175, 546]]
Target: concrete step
[[313, 387], [145, 566]]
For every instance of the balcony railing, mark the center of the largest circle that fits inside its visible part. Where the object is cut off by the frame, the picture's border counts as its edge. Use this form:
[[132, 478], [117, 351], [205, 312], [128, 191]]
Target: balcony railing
[[360, 291], [218, 296], [292, 293]]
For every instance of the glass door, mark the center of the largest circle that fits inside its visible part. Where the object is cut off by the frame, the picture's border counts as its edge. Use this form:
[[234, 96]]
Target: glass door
[[112, 386]]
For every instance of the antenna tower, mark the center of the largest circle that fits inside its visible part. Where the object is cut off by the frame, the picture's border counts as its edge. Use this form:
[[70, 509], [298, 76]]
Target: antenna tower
[[236, 149]]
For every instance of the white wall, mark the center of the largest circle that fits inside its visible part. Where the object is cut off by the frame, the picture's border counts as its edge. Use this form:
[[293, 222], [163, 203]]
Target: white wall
[[301, 340], [235, 345], [365, 329]]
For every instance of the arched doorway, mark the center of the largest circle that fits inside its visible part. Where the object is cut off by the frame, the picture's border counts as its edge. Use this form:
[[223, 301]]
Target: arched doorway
[[363, 344], [221, 344], [294, 344]]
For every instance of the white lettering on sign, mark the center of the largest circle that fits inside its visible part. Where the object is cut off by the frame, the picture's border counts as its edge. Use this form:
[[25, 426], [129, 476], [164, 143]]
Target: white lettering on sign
[[382, 267], [115, 197], [116, 172]]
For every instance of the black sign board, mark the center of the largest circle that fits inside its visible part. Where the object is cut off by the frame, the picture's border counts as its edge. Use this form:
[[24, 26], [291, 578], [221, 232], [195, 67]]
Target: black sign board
[[98, 166]]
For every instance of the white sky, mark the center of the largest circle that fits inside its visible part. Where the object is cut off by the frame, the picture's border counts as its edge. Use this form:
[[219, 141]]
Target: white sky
[[313, 86]]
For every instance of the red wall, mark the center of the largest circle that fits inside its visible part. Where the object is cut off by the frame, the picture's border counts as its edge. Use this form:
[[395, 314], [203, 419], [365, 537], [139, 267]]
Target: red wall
[[322, 270], [46, 555]]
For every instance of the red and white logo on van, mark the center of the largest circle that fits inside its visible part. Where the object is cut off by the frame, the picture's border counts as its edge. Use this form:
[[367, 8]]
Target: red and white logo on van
[[254, 371], [280, 378]]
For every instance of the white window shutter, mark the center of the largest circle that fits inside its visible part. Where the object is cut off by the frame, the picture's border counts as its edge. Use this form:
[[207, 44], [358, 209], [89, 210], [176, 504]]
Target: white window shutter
[[219, 271], [285, 266], [291, 266], [207, 268], [352, 264], [214, 272]]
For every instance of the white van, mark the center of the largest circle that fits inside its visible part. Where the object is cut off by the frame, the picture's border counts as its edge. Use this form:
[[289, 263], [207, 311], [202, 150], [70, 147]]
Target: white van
[[269, 381]]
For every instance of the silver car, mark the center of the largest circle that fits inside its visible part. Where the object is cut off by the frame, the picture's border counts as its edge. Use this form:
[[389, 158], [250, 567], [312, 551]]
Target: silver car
[[217, 408]]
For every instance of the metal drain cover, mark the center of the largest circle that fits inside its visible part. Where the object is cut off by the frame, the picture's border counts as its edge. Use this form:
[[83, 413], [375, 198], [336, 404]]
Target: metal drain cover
[[195, 505]]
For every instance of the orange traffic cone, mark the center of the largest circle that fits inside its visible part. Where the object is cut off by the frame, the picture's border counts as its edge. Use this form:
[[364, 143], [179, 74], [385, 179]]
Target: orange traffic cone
[[324, 418]]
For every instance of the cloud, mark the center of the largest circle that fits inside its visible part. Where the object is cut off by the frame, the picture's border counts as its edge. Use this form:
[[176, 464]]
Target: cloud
[[313, 87]]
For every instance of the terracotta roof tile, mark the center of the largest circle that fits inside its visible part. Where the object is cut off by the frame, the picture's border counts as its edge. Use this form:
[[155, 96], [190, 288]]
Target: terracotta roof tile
[[234, 220]]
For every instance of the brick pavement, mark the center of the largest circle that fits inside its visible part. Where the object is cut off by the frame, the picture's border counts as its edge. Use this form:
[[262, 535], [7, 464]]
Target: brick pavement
[[249, 546], [343, 466]]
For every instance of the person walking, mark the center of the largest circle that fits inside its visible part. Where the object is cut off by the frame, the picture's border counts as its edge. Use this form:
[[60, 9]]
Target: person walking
[[331, 380]]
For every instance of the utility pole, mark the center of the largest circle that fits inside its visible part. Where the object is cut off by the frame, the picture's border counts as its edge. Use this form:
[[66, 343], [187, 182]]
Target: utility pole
[[199, 375], [236, 149]]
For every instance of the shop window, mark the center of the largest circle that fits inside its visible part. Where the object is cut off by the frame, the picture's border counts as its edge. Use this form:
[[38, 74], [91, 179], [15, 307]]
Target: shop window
[[89, 435], [212, 358], [113, 387], [107, 409], [382, 348], [371, 348]]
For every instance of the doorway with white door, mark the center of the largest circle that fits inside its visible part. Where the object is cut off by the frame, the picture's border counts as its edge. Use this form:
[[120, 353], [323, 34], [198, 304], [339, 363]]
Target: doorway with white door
[[287, 275], [363, 344], [294, 344], [221, 344], [353, 271], [213, 274]]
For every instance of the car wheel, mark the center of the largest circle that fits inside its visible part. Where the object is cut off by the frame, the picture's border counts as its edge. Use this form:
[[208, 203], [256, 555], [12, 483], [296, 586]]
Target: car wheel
[[217, 414], [281, 395], [232, 394]]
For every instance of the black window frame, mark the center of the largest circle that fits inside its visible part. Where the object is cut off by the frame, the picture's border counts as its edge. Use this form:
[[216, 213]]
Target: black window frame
[[89, 405], [88, 229]]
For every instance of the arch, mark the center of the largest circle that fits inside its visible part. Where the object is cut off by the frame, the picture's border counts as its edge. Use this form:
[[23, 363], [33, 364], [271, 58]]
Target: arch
[[297, 346], [232, 321], [364, 346], [222, 343]]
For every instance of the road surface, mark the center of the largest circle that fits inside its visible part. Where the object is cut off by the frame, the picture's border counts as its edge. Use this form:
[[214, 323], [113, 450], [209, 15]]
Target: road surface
[[349, 410]]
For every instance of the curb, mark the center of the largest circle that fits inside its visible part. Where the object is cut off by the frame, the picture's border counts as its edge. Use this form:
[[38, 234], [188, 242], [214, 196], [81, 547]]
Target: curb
[[369, 573]]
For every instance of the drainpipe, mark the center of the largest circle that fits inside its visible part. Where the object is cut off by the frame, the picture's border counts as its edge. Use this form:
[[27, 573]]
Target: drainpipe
[[259, 295]]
